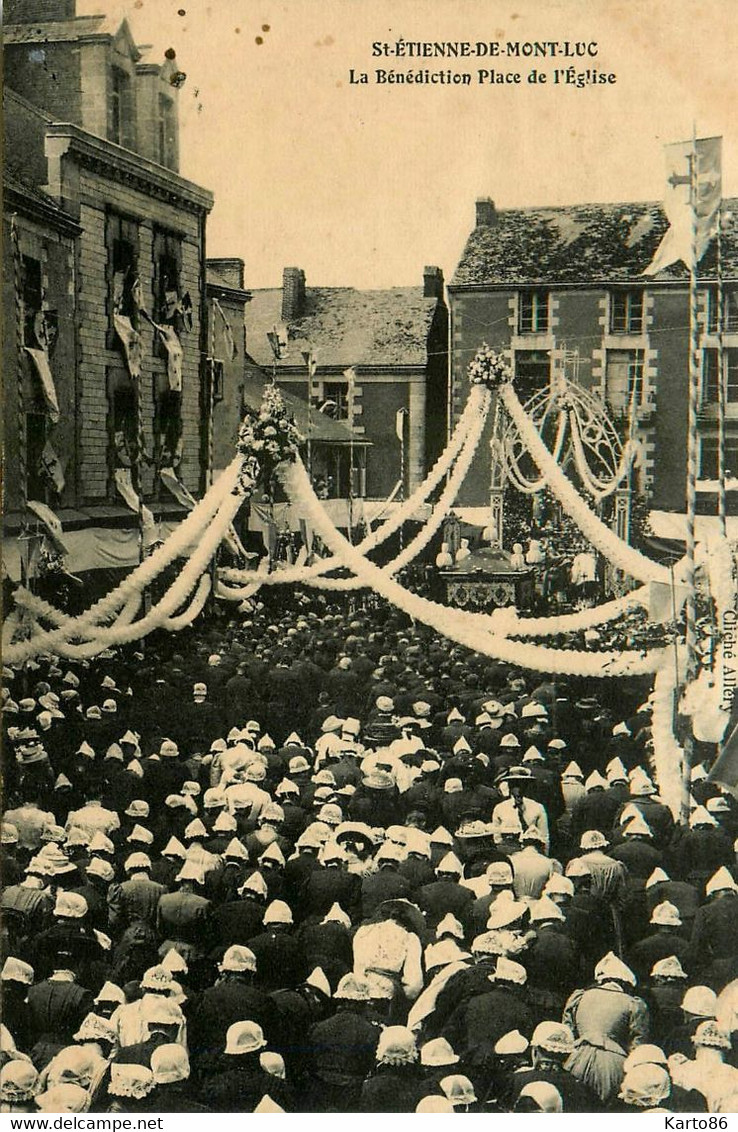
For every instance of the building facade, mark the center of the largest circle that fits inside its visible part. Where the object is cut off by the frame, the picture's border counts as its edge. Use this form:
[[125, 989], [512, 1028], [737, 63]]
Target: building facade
[[222, 392], [380, 361], [98, 146], [564, 288]]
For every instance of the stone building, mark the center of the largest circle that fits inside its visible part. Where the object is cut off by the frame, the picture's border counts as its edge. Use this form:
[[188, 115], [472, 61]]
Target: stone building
[[540, 281], [91, 135], [394, 342]]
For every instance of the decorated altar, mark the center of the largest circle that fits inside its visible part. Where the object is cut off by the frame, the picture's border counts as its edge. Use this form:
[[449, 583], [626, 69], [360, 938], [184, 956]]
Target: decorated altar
[[486, 581]]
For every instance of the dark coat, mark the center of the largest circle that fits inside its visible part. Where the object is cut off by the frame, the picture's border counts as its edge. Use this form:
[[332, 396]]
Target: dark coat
[[393, 1088], [386, 884], [660, 945], [441, 897], [56, 1010], [280, 961], [325, 887], [239, 1089], [237, 921], [134, 900], [481, 1021], [577, 1096], [232, 999]]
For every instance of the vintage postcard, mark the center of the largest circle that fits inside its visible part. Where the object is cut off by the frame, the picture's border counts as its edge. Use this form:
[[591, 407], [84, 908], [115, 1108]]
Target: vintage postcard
[[370, 513]]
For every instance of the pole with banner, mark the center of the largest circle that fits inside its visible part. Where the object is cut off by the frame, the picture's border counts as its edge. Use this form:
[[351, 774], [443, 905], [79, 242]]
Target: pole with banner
[[350, 375], [400, 419], [311, 365], [692, 205], [721, 375]]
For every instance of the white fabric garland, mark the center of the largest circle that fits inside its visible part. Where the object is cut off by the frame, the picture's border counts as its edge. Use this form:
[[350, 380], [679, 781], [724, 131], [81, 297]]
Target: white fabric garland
[[195, 608], [187, 533], [445, 621], [512, 468], [478, 398], [668, 756], [43, 611], [594, 485], [439, 513], [615, 549], [551, 626], [175, 596]]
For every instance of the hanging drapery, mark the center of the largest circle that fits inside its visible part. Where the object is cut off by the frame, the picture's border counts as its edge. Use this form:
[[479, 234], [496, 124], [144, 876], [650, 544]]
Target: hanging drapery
[[131, 342], [40, 359], [124, 485], [173, 347], [230, 341]]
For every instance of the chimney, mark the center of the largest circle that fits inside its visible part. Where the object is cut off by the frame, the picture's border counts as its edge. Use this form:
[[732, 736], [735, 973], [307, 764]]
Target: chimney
[[432, 283], [293, 293], [230, 268], [486, 215]]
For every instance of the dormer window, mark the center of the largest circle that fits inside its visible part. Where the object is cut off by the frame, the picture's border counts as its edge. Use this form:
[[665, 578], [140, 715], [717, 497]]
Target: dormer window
[[533, 312], [121, 109], [626, 312]]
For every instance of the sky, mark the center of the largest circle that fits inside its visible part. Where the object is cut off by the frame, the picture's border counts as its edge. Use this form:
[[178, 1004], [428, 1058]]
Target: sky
[[363, 185]]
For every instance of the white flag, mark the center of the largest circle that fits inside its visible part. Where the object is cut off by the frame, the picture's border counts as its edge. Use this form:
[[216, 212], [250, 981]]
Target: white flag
[[40, 360], [677, 242], [400, 424]]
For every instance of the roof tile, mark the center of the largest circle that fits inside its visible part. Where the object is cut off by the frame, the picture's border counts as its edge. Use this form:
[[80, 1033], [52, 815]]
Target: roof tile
[[346, 327], [580, 244]]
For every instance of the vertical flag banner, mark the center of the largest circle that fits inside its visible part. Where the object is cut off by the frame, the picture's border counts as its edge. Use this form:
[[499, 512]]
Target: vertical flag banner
[[40, 360], [400, 424], [173, 347], [131, 341], [230, 341], [51, 467], [677, 242], [129, 494]]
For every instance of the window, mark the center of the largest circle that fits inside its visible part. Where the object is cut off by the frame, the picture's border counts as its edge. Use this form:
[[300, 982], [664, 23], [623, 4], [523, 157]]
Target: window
[[532, 371], [217, 377], [626, 312], [168, 428], [624, 379], [710, 376], [121, 109], [335, 402], [36, 429], [122, 270], [533, 312], [167, 251], [167, 133], [709, 456], [730, 310], [32, 297], [123, 425]]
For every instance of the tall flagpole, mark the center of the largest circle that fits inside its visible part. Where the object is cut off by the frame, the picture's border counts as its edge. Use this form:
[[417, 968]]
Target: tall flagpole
[[721, 375], [350, 375], [694, 380], [311, 366]]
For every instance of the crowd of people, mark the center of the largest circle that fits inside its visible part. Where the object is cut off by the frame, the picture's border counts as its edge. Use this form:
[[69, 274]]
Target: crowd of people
[[321, 860]]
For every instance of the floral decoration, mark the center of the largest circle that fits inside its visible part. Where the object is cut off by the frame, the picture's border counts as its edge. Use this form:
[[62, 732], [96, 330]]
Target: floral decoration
[[489, 367], [265, 441]]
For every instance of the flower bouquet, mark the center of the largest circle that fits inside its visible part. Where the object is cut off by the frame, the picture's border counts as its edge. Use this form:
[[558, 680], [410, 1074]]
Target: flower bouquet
[[490, 368], [265, 441]]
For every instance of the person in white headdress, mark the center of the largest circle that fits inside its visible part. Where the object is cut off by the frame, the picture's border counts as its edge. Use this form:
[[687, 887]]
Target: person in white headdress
[[608, 1020]]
